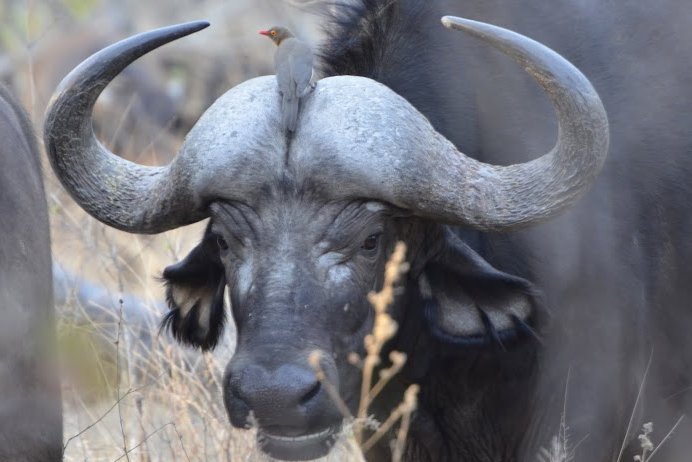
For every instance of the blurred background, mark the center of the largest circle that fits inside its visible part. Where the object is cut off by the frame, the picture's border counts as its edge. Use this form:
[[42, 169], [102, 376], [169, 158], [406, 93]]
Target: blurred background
[[130, 392]]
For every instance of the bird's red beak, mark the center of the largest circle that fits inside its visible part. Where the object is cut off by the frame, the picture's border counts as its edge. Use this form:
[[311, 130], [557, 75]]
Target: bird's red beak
[[264, 32]]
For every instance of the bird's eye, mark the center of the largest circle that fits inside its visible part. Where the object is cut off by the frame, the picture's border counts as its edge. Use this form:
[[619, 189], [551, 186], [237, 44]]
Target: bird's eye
[[370, 243], [273, 33], [223, 245]]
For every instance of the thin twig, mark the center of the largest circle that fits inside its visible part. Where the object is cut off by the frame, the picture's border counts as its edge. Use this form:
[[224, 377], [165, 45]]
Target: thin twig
[[369, 364], [668, 435], [383, 329], [103, 416], [399, 444], [314, 361], [384, 428], [398, 360], [144, 441], [407, 406], [180, 439], [636, 404], [117, 379]]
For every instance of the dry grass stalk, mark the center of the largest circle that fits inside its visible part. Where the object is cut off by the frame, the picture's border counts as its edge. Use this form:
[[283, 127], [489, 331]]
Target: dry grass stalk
[[407, 407], [635, 407], [314, 360], [558, 451], [560, 448], [648, 449], [384, 328], [402, 411], [398, 360], [645, 442]]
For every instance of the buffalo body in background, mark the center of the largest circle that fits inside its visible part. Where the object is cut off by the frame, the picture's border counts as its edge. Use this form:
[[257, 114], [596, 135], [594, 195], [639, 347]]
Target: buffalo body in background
[[30, 407]]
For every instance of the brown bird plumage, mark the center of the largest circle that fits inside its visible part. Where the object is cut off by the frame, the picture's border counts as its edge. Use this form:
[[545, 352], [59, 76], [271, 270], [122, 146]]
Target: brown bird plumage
[[293, 66]]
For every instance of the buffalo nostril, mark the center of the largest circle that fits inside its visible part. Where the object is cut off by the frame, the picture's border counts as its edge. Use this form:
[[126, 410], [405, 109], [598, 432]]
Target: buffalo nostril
[[288, 398], [311, 393]]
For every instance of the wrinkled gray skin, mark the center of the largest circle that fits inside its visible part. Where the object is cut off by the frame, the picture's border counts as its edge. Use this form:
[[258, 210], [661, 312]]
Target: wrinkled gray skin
[[30, 405], [299, 234]]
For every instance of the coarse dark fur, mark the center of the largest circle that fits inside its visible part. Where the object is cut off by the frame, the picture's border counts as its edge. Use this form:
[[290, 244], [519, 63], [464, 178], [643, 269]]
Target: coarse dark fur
[[30, 405], [201, 268], [613, 270]]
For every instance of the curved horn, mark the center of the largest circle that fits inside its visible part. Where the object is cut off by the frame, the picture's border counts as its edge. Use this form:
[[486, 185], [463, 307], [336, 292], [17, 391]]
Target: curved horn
[[490, 197], [118, 192]]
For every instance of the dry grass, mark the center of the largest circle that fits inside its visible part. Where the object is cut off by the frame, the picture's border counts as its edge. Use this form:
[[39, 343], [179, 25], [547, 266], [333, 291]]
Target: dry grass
[[384, 328], [132, 394]]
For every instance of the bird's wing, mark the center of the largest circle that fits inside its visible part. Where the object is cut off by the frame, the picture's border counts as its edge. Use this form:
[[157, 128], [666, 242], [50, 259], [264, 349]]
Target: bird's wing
[[282, 68], [301, 65]]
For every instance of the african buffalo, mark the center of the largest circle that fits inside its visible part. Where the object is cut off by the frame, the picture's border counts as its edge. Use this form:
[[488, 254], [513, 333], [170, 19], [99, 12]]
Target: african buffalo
[[517, 322], [30, 406]]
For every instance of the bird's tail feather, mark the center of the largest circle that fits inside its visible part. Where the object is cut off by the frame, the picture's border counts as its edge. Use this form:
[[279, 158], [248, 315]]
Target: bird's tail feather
[[289, 116]]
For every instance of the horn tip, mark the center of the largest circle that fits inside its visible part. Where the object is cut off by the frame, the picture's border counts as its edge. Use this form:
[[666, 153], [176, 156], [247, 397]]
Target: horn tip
[[196, 26], [455, 22]]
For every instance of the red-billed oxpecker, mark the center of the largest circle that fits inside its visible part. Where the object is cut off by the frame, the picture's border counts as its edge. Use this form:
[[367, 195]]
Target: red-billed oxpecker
[[293, 67]]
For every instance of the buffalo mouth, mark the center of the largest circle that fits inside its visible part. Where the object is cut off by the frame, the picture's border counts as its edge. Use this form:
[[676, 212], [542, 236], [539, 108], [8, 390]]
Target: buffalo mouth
[[297, 447]]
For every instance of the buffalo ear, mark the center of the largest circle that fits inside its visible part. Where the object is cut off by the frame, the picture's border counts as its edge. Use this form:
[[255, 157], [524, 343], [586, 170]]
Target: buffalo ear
[[470, 302], [195, 296]]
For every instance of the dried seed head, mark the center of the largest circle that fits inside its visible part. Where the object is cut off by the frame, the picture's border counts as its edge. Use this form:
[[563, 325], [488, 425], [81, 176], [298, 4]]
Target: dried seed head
[[314, 359], [354, 359], [411, 398], [397, 358]]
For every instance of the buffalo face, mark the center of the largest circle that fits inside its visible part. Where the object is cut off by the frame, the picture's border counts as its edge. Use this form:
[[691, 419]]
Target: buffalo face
[[298, 272]]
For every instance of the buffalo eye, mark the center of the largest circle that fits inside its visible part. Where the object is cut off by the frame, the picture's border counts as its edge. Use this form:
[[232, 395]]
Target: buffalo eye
[[223, 245], [370, 242]]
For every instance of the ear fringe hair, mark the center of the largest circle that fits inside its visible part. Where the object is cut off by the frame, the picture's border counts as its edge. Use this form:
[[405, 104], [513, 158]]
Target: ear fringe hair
[[186, 329], [524, 330]]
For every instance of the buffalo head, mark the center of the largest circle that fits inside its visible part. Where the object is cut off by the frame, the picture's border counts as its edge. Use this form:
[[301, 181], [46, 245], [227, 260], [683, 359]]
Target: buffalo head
[[300, 229]]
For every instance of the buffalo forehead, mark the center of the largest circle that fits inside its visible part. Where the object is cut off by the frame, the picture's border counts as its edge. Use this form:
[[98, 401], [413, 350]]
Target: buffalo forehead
[[351, 124], [238, 147]]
